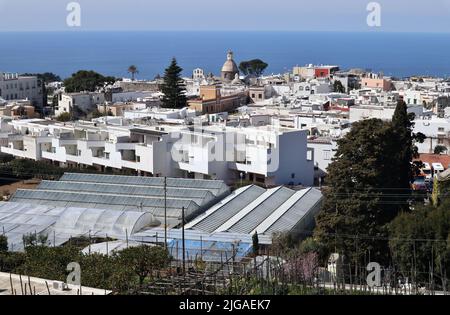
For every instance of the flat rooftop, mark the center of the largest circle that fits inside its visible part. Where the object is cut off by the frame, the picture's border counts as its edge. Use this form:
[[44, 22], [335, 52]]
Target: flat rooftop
[[9, 282]]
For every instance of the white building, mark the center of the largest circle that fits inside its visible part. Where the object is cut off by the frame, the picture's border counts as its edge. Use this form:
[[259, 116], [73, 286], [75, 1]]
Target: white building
[[436, 131], [363, 112], [131, 96], [315, 86], [268, 155], [271, 156], [85, 101], [15, 87], [321, 151]]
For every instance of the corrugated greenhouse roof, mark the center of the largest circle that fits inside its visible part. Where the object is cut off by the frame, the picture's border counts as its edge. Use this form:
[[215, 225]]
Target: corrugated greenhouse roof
[[262, 209], [200, 197], [216, 187], [308, 203], [252, 208], [102, 201], [226, 209]]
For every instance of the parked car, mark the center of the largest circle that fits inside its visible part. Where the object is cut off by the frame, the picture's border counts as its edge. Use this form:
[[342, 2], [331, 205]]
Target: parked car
[[426, 170], [437, 168]]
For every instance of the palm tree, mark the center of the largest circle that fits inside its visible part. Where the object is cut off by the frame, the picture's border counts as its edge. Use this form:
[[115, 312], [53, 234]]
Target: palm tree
[[133, 70]]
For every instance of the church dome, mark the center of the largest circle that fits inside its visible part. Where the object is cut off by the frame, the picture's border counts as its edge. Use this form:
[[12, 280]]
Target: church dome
[[229, 69], [230, 66]]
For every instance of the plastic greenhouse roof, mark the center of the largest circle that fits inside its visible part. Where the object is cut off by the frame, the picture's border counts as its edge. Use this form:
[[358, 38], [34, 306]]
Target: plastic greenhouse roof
[[200, 197], [216, 187], [101, 201], [61, 223]]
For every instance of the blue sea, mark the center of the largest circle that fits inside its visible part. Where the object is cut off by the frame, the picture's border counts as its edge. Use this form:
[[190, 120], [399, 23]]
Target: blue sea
[[110, 53]]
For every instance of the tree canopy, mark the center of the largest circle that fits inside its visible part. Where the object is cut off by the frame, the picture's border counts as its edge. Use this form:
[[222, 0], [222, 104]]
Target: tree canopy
[[143, 260], [63, 117], [46, 77], [86, 81], [439, 149], [173, 87], [338, 87], [253, 67], [354, 202], [420, 240], [369, 185], [133, 70]]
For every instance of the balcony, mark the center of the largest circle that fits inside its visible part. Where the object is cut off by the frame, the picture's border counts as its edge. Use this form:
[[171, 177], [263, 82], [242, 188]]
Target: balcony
[[53, 156], [15, 137], [15, 152], [130, 164]]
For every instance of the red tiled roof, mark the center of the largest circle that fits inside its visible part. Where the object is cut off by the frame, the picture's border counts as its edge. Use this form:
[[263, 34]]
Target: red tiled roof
[[435, 158]]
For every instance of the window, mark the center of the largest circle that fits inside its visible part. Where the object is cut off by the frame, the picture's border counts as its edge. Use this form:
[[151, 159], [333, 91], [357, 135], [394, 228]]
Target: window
[[253, 95], [260, 96], [441, 129], [441, 141], [107, 155], [138, 159], [327, 155], [309, 155]]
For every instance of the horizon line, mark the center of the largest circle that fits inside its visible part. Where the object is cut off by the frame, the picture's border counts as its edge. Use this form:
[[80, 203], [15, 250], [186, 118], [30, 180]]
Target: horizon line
[[375, 31]]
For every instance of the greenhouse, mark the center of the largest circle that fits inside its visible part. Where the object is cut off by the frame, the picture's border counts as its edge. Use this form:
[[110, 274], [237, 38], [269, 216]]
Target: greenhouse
[[265, 211], [59, 224], [162, 198]]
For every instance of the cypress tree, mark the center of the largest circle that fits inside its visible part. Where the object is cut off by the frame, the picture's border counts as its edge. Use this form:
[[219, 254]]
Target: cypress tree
[[403, 152], [255, 241], [173, 87]]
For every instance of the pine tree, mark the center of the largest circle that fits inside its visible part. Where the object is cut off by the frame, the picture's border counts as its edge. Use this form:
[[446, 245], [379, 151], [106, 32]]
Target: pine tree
[[173, 87], [133, 70]]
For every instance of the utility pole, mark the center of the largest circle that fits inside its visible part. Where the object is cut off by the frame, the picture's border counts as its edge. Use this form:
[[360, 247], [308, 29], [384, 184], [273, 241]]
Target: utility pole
[[183, 242], [165, 212]]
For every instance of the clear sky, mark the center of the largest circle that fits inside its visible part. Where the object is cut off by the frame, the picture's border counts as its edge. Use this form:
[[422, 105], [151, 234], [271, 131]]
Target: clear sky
[[291, 15]]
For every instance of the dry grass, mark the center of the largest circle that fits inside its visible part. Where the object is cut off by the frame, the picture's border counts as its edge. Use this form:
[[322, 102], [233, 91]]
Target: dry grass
[[10, 189]]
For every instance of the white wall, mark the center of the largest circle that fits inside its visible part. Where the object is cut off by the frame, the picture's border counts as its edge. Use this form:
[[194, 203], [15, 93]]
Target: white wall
[[17, 88]]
